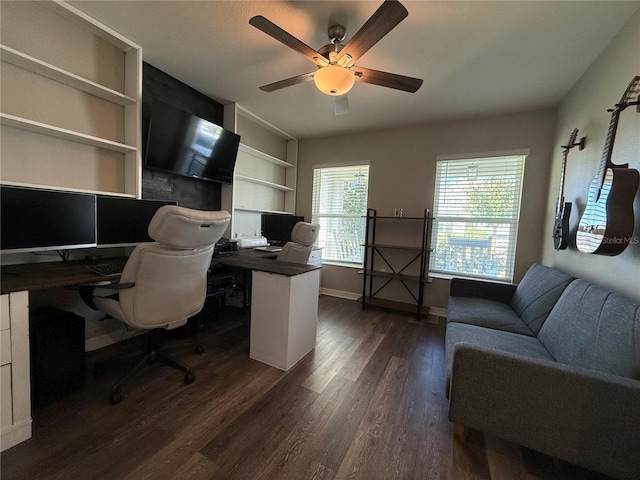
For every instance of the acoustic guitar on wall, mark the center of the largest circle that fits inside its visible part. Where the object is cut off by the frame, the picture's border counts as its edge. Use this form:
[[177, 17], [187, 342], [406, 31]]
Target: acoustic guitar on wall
[[607, 222], [563, 209]]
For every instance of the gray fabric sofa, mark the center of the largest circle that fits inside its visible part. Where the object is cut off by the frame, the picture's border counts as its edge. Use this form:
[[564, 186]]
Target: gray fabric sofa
[[552, 364]]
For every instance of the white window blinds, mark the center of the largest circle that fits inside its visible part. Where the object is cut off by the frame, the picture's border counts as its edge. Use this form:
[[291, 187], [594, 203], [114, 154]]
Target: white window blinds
[[476, 210], [339, 204]]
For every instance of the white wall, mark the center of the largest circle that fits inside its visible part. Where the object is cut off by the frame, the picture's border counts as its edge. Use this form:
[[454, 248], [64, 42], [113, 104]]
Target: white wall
[[402, 172], [585, 108]]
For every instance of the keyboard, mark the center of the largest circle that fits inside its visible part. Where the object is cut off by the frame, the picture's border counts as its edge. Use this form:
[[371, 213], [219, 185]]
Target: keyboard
[[272, 249], [108, 268]]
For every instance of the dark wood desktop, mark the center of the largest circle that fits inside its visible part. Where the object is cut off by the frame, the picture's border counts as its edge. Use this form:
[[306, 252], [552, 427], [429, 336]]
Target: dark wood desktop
[[37, 276], [250, 259]]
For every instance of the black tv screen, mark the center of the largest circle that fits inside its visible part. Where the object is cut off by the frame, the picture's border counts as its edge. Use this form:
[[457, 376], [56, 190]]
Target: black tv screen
[[34, 219], [276, 227], [125, 221], [184, 144]]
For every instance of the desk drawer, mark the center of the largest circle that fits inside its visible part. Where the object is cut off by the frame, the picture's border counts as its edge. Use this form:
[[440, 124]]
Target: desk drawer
[[6, 402], [5, 323], [5, 347]]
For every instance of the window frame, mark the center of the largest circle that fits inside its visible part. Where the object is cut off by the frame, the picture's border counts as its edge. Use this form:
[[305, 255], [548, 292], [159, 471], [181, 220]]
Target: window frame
[[318, 216], [441, 222]]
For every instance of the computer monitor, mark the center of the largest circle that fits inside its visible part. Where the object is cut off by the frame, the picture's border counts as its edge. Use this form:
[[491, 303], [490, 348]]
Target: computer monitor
[[33, 219], [277, 227], [125, 221]]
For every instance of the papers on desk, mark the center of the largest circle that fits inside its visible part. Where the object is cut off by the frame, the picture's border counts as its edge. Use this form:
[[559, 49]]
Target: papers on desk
[[272, 249]]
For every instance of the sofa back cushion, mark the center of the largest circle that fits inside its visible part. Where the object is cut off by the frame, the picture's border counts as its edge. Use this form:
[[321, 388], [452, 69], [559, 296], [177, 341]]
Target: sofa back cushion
[[537, 293], [593, 328]]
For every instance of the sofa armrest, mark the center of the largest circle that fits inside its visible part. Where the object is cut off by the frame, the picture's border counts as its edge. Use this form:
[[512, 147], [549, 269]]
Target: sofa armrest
[[582, 416], [500, 292]]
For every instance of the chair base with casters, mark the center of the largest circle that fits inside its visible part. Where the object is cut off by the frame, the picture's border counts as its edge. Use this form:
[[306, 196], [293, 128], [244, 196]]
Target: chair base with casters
[[153, 353]]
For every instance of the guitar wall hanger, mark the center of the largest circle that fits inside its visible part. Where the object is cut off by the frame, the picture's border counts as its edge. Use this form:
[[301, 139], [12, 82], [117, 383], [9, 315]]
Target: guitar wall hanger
[[580, 144], [629, 104]]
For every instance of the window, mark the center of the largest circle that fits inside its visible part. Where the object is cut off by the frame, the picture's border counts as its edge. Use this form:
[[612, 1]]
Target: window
[[476, 210], [339, 206]]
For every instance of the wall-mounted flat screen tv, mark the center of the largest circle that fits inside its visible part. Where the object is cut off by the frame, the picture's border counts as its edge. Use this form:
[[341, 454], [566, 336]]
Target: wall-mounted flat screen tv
[[125, 221], [185, 144], [33, 219]]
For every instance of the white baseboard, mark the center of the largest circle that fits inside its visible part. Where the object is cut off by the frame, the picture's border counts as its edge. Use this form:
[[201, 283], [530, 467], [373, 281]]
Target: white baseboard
[[15, 434], [339, 293], [438, 312], [104, 340]]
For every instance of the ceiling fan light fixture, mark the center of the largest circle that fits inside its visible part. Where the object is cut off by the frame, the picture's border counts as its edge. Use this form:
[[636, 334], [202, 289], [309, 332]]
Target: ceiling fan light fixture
[[334, 80]]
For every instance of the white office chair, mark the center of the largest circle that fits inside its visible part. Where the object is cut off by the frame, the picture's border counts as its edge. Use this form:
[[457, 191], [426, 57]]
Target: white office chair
[[164, 283], [298, 250]]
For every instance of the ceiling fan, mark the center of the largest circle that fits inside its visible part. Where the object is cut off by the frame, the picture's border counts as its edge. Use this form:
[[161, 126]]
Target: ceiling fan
[[336, 70]]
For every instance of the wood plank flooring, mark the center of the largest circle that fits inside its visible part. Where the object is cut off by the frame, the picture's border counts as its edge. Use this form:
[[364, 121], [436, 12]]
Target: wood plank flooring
[[368, 403]]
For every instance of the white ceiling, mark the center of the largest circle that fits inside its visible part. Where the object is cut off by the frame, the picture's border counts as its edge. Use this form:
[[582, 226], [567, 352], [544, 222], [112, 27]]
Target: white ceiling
[[477, 58]]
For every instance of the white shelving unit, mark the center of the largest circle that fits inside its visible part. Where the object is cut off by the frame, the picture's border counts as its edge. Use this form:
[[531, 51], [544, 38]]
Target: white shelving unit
[[71, 103], [70, 113], [265, 173]]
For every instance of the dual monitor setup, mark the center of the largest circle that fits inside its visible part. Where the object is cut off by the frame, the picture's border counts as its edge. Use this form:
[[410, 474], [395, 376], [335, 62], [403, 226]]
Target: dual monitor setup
[[33, 220]]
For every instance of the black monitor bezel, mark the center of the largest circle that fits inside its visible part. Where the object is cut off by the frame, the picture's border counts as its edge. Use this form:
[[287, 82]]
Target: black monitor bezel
[[30, 215]]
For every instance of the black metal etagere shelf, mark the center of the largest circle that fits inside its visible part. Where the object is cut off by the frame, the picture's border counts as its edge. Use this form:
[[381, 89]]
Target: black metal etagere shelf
[[378, 264]]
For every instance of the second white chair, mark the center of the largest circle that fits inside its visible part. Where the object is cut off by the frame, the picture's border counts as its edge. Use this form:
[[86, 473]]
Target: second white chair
[[298, 250]]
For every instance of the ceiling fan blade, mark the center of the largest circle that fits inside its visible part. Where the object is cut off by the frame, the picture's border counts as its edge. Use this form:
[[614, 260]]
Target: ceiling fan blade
[[305, 77], [388, 15], [340, 104], [385, 79], [286, 38]]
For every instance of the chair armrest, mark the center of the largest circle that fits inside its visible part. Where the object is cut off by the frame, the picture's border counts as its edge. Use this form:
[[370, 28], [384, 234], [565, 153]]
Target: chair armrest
[[86, 291], [500, 292], [583, 416], [116, 285]]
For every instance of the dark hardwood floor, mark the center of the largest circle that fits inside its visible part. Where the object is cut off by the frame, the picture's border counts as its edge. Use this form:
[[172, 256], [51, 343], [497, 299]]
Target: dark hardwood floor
[[368, 403]]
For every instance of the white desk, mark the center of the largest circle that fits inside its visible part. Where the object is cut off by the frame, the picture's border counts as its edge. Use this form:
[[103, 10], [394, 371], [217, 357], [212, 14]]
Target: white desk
[[284, 317], [284, 307]]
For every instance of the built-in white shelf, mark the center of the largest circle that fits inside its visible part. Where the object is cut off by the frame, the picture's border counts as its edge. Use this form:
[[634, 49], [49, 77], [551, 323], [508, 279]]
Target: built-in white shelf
[[260, 210], [258, 181], [264, 156], [66, 189], [34, 65], [63, 133], [263, 182], [88, 23], [119, 57]]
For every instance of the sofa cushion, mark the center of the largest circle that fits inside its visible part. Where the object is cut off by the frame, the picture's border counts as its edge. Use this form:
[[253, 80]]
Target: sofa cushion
[[490, 338], [485, 313], [593, 328], [537, 293]]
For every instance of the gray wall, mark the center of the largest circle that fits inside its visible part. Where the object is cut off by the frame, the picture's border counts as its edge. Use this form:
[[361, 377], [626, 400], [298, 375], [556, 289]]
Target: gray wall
[[402, 172], [585, 108]]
